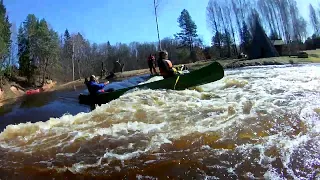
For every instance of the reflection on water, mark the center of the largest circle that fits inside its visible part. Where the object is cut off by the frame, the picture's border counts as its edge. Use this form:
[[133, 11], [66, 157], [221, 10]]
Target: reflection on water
[[42, 106], [253, 124], [39, 107]]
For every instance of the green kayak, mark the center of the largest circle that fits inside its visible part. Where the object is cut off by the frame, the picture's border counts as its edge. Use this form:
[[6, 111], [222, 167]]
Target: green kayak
[[210, 73]]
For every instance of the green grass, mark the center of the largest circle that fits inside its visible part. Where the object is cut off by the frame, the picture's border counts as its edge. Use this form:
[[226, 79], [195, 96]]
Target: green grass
[[314, 55]]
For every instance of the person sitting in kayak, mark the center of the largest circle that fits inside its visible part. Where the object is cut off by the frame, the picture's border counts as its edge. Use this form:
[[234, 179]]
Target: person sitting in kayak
[[152, 64], [94, 87], [165, 65]]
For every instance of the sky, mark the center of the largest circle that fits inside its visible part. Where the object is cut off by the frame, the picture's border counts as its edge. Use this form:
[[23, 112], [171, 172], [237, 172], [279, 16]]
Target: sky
[[119, 20]]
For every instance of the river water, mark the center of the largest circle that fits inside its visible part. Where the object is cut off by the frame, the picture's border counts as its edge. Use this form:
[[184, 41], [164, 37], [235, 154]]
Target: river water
[[256, 123]]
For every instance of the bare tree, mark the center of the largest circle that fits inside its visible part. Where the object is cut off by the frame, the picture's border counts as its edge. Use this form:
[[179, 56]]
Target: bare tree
[[73, 55], [267, 14], [225, 29], [283, 8], [213, 21], [227, 13], [314, 20], [79, 55], [236, 15]]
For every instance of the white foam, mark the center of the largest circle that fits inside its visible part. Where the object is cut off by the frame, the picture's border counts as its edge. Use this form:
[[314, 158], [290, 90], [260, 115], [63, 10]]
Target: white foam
[[141, 121]]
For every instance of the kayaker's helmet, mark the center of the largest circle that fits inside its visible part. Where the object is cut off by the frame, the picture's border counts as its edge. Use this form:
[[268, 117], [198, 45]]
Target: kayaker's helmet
[[92, 78], [163, 54]]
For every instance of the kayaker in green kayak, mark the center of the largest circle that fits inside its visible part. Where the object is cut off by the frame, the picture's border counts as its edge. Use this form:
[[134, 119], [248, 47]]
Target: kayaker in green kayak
[[165, 65], [94, 87]]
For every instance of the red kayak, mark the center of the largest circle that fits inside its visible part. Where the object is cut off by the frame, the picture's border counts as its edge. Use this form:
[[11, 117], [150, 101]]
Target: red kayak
[[32, 91]]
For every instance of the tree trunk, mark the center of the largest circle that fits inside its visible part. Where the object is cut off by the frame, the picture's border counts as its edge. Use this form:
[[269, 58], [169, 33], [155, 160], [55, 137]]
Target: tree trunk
[[79, 69], [102, 70], [45, 70], [72, 61]]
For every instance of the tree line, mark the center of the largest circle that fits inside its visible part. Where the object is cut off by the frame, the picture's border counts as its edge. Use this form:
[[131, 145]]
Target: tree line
[[42, 53], [232, 24]]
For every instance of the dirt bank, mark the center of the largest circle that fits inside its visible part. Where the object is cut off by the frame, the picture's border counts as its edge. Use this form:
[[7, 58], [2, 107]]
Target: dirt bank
[[12, 90]]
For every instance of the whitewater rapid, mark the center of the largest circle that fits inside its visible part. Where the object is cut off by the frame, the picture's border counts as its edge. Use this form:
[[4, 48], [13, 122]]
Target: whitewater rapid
[[254, 123]]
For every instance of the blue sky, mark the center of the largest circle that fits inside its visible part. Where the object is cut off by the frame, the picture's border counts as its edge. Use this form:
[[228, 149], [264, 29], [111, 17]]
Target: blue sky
[[118, 20]]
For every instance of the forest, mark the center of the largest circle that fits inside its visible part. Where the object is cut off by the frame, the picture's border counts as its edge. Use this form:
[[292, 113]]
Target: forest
[[37, 52]]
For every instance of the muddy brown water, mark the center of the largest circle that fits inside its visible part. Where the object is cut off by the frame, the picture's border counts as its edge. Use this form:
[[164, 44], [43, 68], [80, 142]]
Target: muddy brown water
[[256, 123]]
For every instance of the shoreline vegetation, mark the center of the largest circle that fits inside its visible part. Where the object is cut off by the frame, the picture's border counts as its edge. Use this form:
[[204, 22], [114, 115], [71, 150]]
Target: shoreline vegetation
[[12, 91], [314, 57]]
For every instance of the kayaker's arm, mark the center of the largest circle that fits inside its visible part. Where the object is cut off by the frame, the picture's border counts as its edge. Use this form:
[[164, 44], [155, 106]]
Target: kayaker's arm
[[97, 85]]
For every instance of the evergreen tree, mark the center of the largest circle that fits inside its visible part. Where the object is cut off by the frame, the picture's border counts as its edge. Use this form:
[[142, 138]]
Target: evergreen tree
[[26, 47], [217, 42], [67, 52], [66, 35], [38, 48], [188, 34], [43, 48], [67, 46], [246, 37], [227, 42], [52, 62], [5, 33]]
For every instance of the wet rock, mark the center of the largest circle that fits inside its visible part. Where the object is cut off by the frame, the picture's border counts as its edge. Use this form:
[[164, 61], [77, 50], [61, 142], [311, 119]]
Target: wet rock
[[266, 63], [245, 64], [241, 65], [278, 63], [271, 63]]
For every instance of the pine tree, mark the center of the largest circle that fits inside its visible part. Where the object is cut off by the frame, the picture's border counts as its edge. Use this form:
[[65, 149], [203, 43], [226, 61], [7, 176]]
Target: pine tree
[[67, 46], [67, 59], [27, 47], [53, 63], [38, 48], [24, 54], [5, 33], [227, 42], [246, 37], [43, 48], [217, 42], [188, 34]]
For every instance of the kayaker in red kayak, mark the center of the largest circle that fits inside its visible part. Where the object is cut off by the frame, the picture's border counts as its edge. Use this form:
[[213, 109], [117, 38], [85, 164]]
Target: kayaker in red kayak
[[165, 65], [94, 87], [152, 64]]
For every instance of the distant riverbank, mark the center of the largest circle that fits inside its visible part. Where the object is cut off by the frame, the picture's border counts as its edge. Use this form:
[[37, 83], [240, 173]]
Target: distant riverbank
[[314, 57]]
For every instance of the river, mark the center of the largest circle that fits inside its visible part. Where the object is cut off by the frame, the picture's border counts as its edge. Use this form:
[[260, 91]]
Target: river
[[256, 123]]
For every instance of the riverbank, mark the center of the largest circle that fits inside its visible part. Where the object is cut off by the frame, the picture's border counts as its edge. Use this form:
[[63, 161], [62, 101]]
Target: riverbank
[[10, 92], [227, 64]]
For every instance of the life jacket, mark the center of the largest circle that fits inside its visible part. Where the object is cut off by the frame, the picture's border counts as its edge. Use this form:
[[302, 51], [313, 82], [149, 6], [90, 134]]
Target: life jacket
[[92, 90], [151, 58], [164, 72]]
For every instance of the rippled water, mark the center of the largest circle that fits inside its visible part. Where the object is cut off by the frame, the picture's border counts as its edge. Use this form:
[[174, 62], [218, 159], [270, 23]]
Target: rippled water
[[261, 123]]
